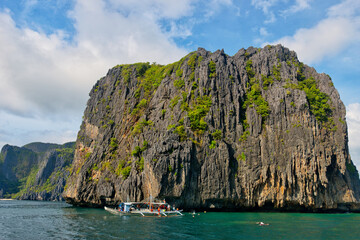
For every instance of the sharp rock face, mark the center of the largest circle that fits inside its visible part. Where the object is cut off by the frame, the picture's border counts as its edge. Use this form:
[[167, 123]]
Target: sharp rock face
[[257, 130]]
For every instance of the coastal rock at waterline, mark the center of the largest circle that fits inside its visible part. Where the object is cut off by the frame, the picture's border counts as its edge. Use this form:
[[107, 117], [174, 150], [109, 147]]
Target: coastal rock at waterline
[[257, 130]]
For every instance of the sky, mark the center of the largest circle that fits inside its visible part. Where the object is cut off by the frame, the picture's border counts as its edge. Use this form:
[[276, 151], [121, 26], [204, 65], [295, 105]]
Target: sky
[[53, 51]]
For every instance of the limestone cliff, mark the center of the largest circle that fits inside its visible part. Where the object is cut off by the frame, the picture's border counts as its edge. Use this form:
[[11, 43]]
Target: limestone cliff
[[257, 130], [36, 171]]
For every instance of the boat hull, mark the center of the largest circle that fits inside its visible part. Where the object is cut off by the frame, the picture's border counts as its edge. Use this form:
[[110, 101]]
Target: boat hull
[[144, 213], [117, 212]]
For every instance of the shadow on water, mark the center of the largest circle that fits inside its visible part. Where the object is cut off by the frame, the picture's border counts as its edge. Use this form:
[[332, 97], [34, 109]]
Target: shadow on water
[[49, 220]]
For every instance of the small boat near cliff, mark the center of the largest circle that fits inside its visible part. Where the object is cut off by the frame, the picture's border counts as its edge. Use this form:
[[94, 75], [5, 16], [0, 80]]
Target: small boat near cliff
[[144, 209]]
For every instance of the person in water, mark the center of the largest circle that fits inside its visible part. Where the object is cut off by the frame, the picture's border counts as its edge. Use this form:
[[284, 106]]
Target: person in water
[[262, 224]]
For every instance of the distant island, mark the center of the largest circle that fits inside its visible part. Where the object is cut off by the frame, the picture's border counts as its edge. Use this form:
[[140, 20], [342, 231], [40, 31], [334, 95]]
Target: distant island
[[36, 171]]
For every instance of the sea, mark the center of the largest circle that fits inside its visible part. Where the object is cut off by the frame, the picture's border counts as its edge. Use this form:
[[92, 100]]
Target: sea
[[58, 220]]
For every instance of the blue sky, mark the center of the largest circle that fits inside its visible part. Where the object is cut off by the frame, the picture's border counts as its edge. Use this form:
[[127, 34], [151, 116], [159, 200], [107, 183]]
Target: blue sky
[[53, 51]]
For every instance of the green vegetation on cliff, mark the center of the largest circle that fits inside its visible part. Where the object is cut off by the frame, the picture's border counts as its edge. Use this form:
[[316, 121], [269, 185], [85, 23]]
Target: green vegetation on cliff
[[212, 69], [319, 102], [253, 97], [197, 113]]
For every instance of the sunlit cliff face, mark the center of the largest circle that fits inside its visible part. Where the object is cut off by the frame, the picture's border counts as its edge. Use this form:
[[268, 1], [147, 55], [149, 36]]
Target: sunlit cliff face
[[257, 130]]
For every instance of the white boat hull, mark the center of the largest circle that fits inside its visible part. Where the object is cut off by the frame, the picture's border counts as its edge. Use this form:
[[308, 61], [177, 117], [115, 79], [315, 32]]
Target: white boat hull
[[144, 213], [117, 212]]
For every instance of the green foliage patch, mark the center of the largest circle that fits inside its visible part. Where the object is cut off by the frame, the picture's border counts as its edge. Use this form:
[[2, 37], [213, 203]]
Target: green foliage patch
[[184, 105], [163, 112], [139, 126], [171, 126], [318, 100], [113, 144], [136, 152], [179, 83], [179, 73], [250, 72], [267, 81], [255, 99], [299, 72], [244, 136], [180, 130], [174, 102], [139, 150], [217, 134], [192, 61], [197, 113], [276, 71], [125, 172], [242, 157], [139, 107], [141, 68], [140, 164], [126, 71], [212, 145], [152, 78], [212, 69]]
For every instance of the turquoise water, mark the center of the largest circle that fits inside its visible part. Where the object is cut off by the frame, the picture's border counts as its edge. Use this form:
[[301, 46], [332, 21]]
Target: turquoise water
[[54, 220]]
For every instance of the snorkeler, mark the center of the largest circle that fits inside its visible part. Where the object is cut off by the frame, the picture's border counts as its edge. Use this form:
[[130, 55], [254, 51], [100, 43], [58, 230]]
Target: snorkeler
[[262, 224]]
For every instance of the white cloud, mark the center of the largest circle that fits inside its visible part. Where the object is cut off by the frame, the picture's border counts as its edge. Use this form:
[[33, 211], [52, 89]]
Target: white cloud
[[43, 74], [46, 78], [210, 8], [171, 9], [330, 36], [270, 7], [327, 38], [110, 35], [297, 7], [40, 73], [182, 31], [346, 8], [265, 6], [263, 32], [353, 120], [271, 18]]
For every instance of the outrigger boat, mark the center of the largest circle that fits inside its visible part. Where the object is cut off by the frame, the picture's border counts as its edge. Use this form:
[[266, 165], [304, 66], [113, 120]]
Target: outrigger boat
[[145, 209]]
